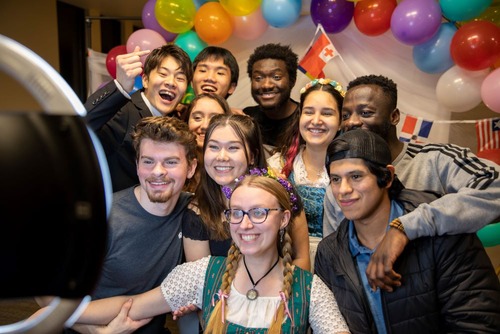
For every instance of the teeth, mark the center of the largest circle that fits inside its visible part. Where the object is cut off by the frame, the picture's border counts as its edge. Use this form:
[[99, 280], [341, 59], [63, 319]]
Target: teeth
[[223, 168], [248, 237], [167, 96], [209, 89], [317, 130], [158, 183]]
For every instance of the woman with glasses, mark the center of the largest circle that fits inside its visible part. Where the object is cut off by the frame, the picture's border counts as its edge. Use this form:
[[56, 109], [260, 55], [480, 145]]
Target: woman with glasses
[[233, 145], [256, 288]]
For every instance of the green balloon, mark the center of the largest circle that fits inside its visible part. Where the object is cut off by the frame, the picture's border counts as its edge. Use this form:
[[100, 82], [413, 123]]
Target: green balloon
[[490, 235], [463, 10], [191, 43]]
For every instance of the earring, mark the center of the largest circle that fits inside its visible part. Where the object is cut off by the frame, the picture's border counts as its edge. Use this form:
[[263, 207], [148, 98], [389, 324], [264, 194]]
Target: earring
[[282, 233]]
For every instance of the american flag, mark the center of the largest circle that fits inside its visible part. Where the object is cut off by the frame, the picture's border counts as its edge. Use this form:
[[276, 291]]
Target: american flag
[[488, 134]]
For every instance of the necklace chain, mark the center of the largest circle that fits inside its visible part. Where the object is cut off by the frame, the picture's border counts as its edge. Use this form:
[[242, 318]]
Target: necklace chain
[[252, 294]]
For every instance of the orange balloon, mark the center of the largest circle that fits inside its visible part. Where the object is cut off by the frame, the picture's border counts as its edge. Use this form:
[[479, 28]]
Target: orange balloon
[[212, 23]]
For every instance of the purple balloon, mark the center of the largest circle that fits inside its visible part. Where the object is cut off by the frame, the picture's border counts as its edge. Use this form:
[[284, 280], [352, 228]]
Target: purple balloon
[[334, 15], [416, 21], [149, 21]]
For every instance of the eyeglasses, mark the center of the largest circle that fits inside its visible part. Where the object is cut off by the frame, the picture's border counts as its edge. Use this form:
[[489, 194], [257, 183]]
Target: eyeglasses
[[256, 215]]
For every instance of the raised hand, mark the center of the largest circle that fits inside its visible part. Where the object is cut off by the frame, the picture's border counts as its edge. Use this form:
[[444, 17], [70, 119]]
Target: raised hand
[[129, 66]]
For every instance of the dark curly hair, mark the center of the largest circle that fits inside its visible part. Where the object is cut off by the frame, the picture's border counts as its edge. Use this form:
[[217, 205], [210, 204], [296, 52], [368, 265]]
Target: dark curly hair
[[276, 51], [388, 86]]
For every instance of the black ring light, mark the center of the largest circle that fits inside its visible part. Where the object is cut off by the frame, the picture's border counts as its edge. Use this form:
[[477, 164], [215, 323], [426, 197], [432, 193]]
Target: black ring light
[[55, 196]]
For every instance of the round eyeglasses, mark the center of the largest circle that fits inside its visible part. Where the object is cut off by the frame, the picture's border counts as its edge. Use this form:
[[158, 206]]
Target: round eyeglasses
[[256, 215]]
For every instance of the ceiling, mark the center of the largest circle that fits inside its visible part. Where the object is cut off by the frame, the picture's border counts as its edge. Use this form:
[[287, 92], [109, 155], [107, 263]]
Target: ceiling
[[128, 8]]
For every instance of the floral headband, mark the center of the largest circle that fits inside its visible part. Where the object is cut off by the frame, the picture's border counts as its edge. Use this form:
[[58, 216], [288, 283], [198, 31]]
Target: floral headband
[[333, 83], [270, 173]]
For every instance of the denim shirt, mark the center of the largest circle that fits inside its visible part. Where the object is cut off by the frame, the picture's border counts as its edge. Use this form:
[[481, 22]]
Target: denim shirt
[[362, 255]]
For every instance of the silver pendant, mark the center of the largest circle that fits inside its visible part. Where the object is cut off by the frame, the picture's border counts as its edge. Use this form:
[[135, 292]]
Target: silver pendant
[[252, 294]]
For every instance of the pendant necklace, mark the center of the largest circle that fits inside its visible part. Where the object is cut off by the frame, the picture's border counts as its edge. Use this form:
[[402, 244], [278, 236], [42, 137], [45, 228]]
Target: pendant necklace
[[252, 294]]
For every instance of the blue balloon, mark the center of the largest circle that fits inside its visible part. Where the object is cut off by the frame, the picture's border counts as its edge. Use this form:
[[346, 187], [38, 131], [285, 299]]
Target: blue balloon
[[433, 56], [281, 13], [137, 84]]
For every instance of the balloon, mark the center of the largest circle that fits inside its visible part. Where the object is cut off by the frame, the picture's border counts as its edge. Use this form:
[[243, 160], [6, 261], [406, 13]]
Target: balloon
[[462, 10], [251, 26], [149, 21], [415, 21], [111, 59], [240, 7], [137, 84], [212, 23], [189, 96], [459, 90], [373, 17], [334, 15], [476, 45], [175, 15], [281, 13], [492, 14], [490, 90], [490, 235], [146, 39], [433, 56], [191, 43]]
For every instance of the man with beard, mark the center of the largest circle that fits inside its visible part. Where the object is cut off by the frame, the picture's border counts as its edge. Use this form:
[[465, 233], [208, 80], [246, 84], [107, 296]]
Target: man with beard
[[147, 222], [470, 186], [112, 112], [272, 69]]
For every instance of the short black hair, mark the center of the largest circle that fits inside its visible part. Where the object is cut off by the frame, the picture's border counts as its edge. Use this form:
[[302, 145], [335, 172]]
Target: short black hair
[[388, 86], [275, 51]]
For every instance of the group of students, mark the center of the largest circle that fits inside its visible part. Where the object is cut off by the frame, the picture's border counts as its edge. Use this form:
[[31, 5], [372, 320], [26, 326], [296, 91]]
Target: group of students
[[385, 262]]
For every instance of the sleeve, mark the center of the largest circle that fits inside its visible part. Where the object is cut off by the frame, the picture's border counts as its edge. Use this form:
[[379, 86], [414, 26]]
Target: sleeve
[[103, 104], [472, 199], [193, 227], [332, 215], [275, 162], [324, 313], [184, 285], [467, 286]]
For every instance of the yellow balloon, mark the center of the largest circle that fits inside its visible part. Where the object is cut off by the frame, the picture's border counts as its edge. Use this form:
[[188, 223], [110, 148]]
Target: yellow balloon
[[240, 7], [176, 16]]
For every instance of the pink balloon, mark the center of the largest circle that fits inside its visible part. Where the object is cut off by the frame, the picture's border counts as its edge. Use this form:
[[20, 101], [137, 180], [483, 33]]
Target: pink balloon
[[490, 90], [149, 21], [251, 26], [146, 39]]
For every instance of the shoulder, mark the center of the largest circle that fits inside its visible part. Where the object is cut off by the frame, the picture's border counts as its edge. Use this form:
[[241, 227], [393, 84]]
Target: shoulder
[[276, 161]]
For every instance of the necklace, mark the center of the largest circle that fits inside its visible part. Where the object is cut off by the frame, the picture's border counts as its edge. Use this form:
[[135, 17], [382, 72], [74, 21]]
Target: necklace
[[252, 294]]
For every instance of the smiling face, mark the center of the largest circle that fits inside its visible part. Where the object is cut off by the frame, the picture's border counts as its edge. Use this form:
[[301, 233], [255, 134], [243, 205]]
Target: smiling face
[[225, 156], [257, 239], [213, 76], [367, 107], [162, 169], [356, 190], [166, 85], [319, 119], [204, 109], [271, 86]]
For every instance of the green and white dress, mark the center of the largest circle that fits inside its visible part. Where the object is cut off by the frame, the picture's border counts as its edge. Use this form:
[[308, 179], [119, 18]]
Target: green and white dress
[[312, 303]]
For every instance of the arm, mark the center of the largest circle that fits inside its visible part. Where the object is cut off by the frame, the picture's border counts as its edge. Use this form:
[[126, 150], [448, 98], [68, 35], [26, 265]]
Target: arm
[[128, 67], [195, 249], [122, 324], [300, 242], [324, 313]]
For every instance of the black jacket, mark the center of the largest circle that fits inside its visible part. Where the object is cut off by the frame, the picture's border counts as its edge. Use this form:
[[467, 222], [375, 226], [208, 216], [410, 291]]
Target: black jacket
[[448, 284]]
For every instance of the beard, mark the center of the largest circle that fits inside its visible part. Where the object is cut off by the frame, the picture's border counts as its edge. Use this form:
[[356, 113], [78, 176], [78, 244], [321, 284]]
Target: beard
[[159, 197]]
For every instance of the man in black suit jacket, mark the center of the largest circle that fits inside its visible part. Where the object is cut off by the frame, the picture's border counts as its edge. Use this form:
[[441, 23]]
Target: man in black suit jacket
[[112, 112]]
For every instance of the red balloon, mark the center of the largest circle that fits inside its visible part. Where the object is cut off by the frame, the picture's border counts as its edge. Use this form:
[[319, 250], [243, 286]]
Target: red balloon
[[476, 45], [111, 58], [373, 17]]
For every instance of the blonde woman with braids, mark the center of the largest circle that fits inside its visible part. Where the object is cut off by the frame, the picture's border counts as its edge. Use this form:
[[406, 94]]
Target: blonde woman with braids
[[256, 288]]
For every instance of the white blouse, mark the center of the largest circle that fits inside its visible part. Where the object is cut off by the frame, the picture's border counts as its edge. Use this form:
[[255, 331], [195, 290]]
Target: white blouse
[[184, 285]]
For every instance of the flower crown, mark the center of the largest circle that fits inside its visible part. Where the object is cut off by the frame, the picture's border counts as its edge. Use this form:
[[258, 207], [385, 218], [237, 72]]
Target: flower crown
[[333, 83], [270, 173]]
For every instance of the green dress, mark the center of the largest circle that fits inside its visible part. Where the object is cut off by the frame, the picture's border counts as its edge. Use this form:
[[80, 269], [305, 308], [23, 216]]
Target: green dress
[[298, 303]]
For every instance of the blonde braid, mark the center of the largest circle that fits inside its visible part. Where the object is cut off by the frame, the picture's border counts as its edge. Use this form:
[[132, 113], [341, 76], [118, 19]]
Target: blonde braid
[[275, 327], [215, 324]]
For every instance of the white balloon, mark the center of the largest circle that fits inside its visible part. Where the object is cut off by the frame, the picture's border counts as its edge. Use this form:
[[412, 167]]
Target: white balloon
[[459, 90]]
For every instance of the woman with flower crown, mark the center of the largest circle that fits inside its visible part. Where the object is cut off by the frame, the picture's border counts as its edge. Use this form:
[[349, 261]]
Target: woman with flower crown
[[256, 288], [232, 146], [303, 160]]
